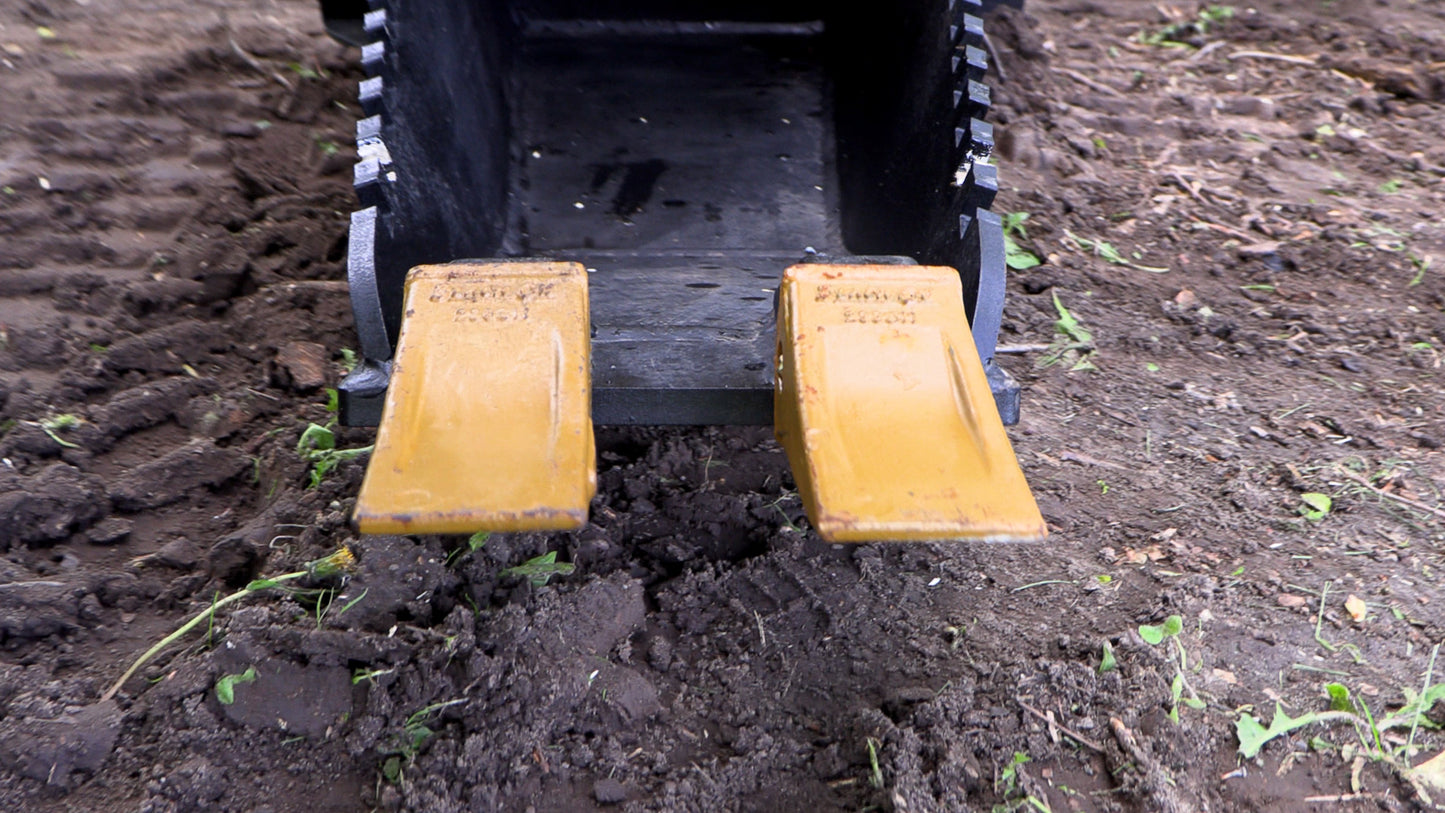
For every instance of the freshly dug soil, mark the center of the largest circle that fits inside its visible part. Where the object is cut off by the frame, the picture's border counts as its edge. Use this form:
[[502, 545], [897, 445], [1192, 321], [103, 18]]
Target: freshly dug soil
[[1240, 212]]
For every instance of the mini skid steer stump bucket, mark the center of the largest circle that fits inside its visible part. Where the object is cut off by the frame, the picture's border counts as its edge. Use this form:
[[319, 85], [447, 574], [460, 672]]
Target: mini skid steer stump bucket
[[704, 213]]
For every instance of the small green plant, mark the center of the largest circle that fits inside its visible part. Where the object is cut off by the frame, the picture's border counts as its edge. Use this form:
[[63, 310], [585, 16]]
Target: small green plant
[[1008, 786], [1422, 264], [348, 360], [777, 505], [326, 567], [1154, 635], [368, 674], [475, 542], [305, 72], [1373, 744], [414, 734], [1316, 506], [1108, 662], [323, 600], [1391, 186], [318, 447], [1186, 33], [59, 423], [1106, 251], [1213, 15], [226, 686], [540, 569], [1072, 342], [875, 771], [1354, 651], [1016, 257]]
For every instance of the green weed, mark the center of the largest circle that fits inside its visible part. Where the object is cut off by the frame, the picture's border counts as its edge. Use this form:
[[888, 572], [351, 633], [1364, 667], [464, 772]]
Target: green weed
[[875, 771], [1169, 631], [1106, 251], [226, 686], [323, 600], [305, 72], [475, 542], [324, 568], [368, 674], [1373, 744], [1072, 342], [540, 569], [1422, 264], [1183, 34], [776, 505], [414, 734], [1008, 786], [1108, 663], [318, 447], [1354, 651], [1016, 257], [1316, 506], [60, 423]]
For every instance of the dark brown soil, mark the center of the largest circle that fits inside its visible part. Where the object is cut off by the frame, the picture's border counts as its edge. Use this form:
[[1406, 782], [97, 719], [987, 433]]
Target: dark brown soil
[[174, 192]]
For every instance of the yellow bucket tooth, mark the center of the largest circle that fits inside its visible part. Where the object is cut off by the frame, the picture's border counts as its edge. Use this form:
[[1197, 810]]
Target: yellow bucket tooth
[[885, 412], [487, 424]]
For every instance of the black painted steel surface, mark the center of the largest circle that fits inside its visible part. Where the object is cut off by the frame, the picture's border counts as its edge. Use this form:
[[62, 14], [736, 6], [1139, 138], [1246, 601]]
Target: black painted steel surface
[[686, 154]]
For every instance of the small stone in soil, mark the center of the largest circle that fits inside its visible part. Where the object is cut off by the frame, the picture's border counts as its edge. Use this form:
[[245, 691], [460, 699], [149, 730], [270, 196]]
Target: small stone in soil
[[609, 792], [111, 531], [179, 554], [301, 366]]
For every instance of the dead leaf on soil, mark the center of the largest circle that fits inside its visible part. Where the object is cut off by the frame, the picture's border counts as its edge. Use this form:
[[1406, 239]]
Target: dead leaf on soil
[[1153, 553], [1431, 772], [1226, 676], [1355, 606], [1256, 250]]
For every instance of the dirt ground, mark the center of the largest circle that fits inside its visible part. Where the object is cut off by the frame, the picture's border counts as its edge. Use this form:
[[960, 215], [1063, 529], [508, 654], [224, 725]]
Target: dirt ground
[[1240, 211]]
